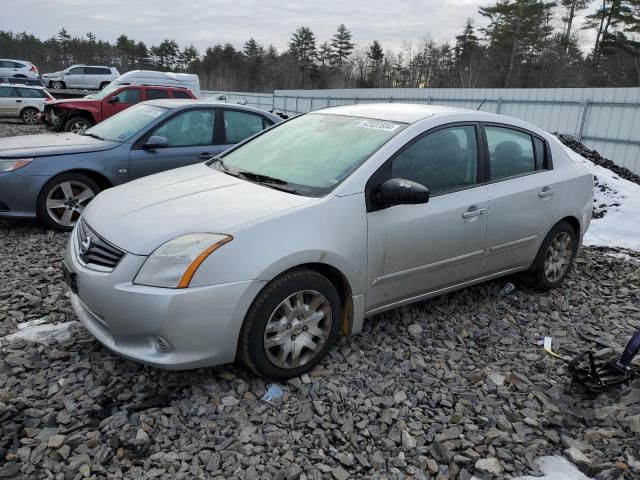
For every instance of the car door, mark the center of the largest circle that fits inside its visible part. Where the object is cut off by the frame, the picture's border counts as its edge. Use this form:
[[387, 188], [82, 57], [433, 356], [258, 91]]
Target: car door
[[240, 125], [10, 101], [522, 199], [416, 249], [190, 139], [74, 78], [120, 100]]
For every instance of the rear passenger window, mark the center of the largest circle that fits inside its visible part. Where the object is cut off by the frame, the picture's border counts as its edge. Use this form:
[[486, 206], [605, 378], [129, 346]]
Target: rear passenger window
[[180, 94], [8, 92], [241, 125], [153, 94], [511, 152], [444, 161], [31, 93]]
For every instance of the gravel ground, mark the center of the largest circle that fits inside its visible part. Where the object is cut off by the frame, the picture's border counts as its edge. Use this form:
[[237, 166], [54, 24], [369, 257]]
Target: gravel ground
[[448, 388]]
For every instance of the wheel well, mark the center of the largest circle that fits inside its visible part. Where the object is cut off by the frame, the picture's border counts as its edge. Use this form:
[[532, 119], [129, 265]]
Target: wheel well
[[102, 181], [80, 113], [341, 283], [574, 222]]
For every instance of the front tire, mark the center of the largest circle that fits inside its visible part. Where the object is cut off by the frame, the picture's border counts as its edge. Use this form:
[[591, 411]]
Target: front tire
[[57, 85], [555, 257], [103, 85], [63, 198], [77, 125], [29, 116], [291, 325]]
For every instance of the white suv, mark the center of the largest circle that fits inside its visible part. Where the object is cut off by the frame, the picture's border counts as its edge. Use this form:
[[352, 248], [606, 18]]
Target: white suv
[[22, 101], [81, 76], [17, 68]]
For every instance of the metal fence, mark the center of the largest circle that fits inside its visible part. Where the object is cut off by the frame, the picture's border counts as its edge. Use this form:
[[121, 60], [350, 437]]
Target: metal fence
[[263, 101], [605, 119]]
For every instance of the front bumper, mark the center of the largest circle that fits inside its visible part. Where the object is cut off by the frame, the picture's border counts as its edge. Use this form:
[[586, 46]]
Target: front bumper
[[19, 193], [197, 326], [52, 118]]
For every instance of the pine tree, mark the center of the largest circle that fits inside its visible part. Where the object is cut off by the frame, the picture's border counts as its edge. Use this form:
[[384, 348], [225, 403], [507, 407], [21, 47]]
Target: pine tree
[[303, 48], [341, 45], [376, 58]]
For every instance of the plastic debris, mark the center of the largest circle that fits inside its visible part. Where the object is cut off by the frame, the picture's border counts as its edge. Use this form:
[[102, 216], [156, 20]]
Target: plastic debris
[[273, 395], [32, 323], [507, 289]]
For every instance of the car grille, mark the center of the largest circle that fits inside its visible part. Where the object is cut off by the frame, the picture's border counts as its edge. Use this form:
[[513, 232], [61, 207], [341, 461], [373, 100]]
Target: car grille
[[95, 250]]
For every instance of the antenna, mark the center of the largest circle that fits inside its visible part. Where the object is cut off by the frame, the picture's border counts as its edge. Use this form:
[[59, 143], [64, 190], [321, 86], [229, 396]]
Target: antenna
[[480, 106]]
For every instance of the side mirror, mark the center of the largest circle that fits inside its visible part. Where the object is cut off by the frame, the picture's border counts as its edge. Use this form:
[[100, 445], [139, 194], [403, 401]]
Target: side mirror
[[115, 99], [155, 141], [399, 191]]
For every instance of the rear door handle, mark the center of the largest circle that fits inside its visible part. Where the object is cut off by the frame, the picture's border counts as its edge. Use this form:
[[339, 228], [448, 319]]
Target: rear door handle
[[204, 156], [474, 213], [546, 192], [18, 101]]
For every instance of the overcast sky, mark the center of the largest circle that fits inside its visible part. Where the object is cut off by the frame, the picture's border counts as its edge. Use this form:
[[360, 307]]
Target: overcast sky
[[207, 22]]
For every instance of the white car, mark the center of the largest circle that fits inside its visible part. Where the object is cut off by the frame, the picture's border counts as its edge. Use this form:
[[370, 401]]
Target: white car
[[22, 101], [17, 68], [269, 250], [87, 77]]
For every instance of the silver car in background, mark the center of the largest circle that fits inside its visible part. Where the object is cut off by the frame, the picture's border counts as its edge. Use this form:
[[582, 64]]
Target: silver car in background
[[18, 68], [90, 77], [23, 101], [270, 250]]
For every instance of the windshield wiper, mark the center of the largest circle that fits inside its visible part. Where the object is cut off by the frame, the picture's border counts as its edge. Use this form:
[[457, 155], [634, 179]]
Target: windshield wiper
[[92, 135], [258, 178]]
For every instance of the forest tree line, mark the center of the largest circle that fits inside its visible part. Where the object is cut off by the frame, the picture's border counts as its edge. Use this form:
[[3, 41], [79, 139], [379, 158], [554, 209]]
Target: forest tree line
[[525, 43]]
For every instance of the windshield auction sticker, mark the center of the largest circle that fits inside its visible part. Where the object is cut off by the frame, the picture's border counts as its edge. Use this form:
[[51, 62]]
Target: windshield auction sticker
[[378, 125]]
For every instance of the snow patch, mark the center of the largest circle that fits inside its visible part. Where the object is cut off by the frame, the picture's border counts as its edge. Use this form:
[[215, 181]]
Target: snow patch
[[624, 256], [554, 468], [620, 226], [40, 332]]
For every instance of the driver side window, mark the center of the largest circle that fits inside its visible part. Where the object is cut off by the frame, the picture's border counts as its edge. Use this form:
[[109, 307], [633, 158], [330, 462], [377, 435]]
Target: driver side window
[[128, 96], [443, 161], [189, 129]]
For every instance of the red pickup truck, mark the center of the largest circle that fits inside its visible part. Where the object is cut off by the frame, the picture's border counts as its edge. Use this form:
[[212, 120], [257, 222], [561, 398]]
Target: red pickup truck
[[78, 114]]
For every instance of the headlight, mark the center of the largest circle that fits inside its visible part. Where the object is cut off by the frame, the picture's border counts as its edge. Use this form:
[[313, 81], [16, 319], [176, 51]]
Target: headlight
[[174, 263], [9, 165]]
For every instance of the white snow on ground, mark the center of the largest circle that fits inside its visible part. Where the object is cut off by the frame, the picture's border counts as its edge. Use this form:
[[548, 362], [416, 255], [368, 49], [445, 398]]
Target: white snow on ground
[[556, 468], [620, 226], [624, 256], [40, 332]]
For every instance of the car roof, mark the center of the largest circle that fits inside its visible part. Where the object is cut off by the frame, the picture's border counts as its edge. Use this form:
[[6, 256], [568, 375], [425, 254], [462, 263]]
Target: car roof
[[21, 85], [394, 112], [187, 102]]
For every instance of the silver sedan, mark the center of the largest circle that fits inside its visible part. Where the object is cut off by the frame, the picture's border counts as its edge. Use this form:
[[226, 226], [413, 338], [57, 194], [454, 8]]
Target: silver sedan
[[273, 248]]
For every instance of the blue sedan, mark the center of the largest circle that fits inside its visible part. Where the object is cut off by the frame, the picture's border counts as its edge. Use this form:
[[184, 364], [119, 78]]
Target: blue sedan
[[52, 177]]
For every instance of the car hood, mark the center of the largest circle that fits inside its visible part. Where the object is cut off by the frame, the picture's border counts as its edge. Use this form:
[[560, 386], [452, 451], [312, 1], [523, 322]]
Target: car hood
[[67, 101], [52, 74], [142, 215], [49, 144]]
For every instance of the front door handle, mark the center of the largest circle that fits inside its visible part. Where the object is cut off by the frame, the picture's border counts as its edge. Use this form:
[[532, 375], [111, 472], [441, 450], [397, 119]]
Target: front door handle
[[204, 156], [18, 101], [546, 192], [474, 213]]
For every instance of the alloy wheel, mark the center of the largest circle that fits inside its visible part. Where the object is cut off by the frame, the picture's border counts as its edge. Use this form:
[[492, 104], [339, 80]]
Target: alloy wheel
[[66, 201], [56, 85], [558, 257], [78, 127], [298, 329], [30, 117]]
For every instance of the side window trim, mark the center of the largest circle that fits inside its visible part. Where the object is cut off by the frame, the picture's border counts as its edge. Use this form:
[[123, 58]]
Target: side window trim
[[385, 169], [548, 160]]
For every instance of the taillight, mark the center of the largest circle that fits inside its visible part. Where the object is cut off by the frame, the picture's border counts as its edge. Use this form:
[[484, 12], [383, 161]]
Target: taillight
[[33, 68]]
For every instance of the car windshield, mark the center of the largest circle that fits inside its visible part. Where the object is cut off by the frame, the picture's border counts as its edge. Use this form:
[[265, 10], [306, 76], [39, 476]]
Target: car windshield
[[311, 154], [124, 125], [105, 92]]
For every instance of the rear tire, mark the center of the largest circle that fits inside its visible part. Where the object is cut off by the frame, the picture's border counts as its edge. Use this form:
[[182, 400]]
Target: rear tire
[[29, 116], [63, 198], [555, 257], [300, 305], [77, 125]]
